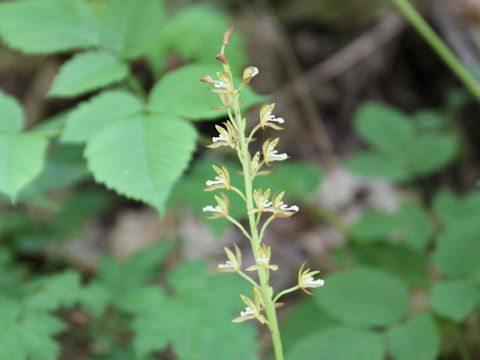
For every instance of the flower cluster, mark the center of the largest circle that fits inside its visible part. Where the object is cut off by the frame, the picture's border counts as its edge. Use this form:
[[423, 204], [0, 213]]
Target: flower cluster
[[258, 202]]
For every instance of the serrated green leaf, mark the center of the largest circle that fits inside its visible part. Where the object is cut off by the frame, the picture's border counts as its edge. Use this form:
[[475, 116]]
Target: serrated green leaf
[[198, 321], [384, 127], [375, 298], [142, 157], [339, 343], [377, 165], [180, 92], [11, 114], [417, 339], [52, 292], [131, 27], [88, 118], [21, 160], [27, 333], [86, 72], [201, 40], [431, 152], [457, 252], [455, 299], [48, 26]]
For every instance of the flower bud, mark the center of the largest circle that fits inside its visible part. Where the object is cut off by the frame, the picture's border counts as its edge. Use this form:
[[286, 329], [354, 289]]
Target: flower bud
[[222, 59], [207, 79], [249, 73], [227, 35]]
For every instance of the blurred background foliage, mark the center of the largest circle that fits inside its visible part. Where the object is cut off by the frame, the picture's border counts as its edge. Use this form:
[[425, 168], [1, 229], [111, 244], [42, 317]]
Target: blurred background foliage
[[104, 250]]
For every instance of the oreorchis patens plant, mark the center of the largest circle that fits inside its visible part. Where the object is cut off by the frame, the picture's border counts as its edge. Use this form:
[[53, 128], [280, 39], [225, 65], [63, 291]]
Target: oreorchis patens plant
[[259, 202]]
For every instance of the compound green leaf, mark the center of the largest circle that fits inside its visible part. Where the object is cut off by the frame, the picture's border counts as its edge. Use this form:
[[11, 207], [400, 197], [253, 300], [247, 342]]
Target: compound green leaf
[[11, 114], [376, 164], [375, 298], [384, 127], [339, 343], [52, 292], [198, 320], [48, 26], [418, 339], [455, 299], [131, 27], [88, 118], [374, 226], [22, 158], [306, 318], [457, 252], [415, 227], [201, 40], [181, 93], [457, 212], [86, 72], [142, 157], [431, 152]]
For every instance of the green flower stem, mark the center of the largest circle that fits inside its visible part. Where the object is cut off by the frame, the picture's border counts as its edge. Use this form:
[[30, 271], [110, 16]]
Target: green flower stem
[[249, 279], [439, 46], [284, 292], [237, 224], [266, 291], [264, 227], [238, 192]]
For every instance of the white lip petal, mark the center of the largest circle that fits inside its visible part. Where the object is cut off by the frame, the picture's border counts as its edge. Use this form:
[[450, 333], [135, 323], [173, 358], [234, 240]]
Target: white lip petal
[[212, 209]]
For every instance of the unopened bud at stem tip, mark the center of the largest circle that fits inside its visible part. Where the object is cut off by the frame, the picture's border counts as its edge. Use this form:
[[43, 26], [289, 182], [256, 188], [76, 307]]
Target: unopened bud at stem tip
[[227, 35]]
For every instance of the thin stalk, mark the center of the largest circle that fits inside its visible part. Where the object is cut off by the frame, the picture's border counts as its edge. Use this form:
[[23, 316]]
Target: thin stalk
[[249, 279], [237, 224], [439, 46], [255, 241], [239, 193], [284, 292]]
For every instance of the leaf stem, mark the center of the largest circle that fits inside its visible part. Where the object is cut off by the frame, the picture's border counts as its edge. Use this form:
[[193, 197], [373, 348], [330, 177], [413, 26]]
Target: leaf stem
[[439, 46]]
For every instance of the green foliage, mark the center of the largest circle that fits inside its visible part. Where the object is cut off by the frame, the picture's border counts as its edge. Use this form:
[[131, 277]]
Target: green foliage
[[126, 156], [455, 299], [418, 338], [87, 72], [21, 160], [197, 320], [11, 114], [90, 117], [400, 152], [375, 298], [117, 283], [181, 93], [196, 40], [305, 319], [48, 26], [339, 343], [132, 28], [410, 225], [27, 326], [458, 250]]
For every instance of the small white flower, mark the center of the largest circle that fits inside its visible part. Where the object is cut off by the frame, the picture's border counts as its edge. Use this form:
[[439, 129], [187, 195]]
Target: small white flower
[[220, 84], [265, 204], [218, 180], [247, 311], [309, 281], [275, 156], [267, 118], [210, 208], [285, 207], [221, 137], [227, 265], [263, 260]]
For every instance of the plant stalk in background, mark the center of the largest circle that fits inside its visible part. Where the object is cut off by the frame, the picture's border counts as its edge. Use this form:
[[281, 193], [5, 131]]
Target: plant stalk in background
[[439, 46], [260, 203]]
